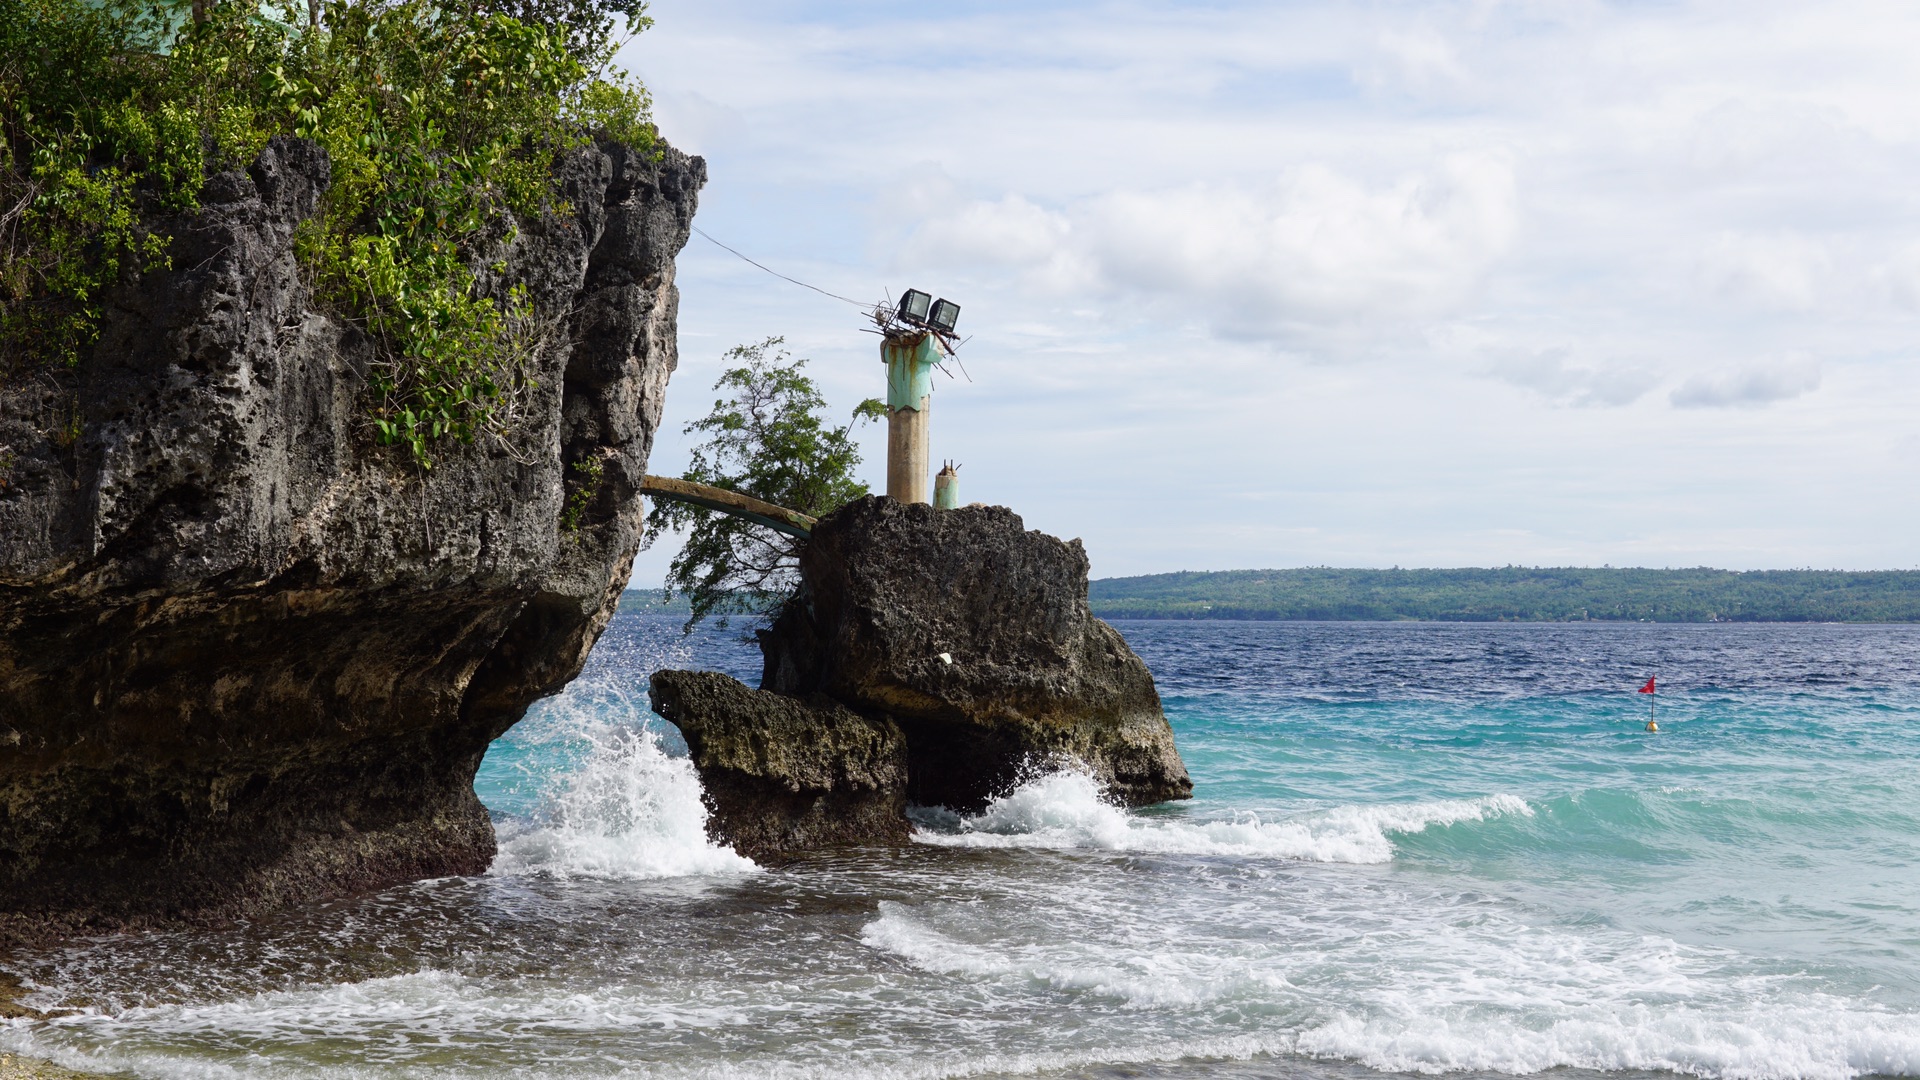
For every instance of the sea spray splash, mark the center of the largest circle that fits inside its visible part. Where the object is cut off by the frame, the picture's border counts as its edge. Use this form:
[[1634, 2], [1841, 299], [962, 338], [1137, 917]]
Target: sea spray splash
[[626, 811], [1066, 809], [589, 789]]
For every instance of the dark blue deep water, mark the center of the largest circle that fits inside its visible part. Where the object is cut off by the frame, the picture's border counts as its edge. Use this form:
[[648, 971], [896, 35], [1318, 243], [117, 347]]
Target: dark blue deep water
[[1413, 849]]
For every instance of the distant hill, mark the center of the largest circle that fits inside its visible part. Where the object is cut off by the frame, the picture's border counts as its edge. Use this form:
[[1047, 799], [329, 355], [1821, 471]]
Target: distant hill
[[649, 601], [1517, 593]]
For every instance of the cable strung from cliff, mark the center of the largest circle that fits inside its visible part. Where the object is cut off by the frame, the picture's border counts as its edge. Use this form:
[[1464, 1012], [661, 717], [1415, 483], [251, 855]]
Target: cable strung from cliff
[[781, 276]]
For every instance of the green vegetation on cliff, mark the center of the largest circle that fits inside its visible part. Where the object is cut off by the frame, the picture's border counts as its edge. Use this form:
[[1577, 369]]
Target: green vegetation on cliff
[[441, 119], [1517, 593]]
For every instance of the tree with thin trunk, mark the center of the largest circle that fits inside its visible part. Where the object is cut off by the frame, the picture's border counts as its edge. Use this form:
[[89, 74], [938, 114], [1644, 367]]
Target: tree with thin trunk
[[767, 437]]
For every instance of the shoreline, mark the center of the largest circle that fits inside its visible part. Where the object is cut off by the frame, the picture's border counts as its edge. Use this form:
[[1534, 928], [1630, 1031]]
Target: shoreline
[[12, 1065], [15, 1067]]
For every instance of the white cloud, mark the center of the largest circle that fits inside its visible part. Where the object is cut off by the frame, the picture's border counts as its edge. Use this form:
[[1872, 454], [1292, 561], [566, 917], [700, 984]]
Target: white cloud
[[1744, 136], [1769, 270], [1898, 277], [1749, 385], [697, 122], [1314, 246], [1010, 233], [1332, 222], [1417, 61], [1554, 376], [1007, 232]]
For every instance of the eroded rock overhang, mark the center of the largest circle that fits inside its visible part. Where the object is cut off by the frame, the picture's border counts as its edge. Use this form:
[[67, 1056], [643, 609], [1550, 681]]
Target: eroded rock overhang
[[248, 657]]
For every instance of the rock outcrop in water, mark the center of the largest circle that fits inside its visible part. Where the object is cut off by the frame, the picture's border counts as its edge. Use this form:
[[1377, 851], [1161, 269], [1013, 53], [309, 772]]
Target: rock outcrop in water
[[781, 774], [973, 634], [970, 633], [247, 657]]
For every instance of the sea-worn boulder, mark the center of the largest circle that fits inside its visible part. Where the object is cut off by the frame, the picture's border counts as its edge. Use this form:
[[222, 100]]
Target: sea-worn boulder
[[973, 634], [784, 775], [249, 657]]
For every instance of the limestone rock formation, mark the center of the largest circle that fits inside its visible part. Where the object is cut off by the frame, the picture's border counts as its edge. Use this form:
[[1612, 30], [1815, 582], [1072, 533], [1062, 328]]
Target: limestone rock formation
[[247, 656], [973, 634], [784, 775]]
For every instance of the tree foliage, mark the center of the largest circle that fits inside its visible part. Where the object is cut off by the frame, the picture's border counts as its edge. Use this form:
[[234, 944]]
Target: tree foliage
[[442, 119], [768, 438]]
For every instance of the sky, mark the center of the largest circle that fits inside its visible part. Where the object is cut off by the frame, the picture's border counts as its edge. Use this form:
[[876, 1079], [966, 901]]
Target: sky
[[1346, 283]]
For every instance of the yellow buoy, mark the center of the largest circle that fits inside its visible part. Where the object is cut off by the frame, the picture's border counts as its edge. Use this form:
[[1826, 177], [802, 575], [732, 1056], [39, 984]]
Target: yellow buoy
[[1651, 726]]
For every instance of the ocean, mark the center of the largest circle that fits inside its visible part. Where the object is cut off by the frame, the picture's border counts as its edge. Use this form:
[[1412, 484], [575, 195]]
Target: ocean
[[1414, 849]]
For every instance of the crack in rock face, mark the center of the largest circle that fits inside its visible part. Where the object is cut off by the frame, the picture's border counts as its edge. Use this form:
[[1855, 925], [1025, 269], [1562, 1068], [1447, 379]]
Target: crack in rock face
[[248, 657]]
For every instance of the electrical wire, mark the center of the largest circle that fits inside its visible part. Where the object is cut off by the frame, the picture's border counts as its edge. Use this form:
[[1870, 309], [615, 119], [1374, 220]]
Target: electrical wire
[[783, 277], [950, 349]]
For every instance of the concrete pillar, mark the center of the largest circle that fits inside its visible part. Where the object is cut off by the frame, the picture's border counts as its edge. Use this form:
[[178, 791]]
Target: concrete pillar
[[909, 363], [907, 461]]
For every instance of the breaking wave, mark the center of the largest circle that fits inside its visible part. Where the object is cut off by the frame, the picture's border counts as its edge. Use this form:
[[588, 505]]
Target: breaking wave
[[1066, 809], [627, 810]]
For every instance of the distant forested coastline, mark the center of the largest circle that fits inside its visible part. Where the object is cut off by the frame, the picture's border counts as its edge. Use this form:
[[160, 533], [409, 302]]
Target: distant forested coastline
[[1503, 594], [1517, 594], [654, 602]]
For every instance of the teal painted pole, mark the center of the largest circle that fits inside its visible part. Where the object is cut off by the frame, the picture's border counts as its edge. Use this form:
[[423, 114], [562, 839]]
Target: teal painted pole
[[909, 370], [946, 488], [910, 362]]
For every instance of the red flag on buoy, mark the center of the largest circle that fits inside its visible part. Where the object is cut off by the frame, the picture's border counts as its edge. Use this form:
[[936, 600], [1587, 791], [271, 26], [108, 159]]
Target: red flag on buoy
[[1647, 689]]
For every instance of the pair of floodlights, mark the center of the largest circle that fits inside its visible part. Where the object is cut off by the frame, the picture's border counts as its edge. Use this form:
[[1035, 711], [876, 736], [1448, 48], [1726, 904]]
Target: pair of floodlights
[[921, 309]]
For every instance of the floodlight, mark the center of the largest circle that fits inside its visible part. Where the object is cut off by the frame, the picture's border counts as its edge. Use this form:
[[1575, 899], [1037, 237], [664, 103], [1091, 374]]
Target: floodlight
[[945, 314], [913, 307]]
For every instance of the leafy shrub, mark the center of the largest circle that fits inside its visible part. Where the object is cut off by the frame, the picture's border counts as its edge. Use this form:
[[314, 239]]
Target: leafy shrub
[[442, 121], [584, 489]]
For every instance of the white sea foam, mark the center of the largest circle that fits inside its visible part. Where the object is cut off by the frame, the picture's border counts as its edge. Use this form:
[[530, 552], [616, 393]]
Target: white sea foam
[[1066, 809], [1422, 986], [377, 1018], [1811, 1038], [627, 810], [1166, 977], [1353, 967], [1496, 994], [943, 1063]]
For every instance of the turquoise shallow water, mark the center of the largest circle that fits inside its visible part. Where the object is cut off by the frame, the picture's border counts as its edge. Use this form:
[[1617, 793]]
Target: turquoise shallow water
[[1414, 849], [1776, 813]]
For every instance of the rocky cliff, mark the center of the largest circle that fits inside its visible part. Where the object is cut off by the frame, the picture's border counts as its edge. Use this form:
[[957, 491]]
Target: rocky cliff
[[964, 630], [973, 634], [246, 655], [782, 775]]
